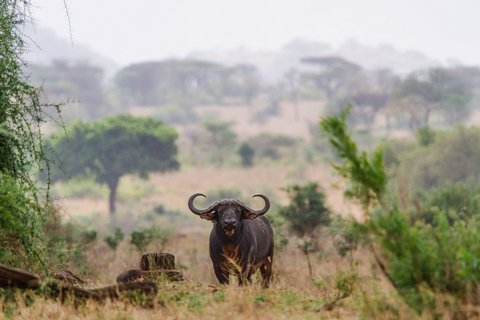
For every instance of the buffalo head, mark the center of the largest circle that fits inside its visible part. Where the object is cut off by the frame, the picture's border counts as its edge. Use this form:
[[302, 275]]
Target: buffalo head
[[228, 213]]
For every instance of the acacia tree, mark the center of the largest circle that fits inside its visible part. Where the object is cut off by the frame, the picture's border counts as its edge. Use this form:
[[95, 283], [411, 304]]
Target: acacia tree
[[113, 147], [334, 75]]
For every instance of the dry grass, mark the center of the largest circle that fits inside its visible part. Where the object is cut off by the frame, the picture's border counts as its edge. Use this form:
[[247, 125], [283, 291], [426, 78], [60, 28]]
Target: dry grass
[[293, 295], [173, 189]]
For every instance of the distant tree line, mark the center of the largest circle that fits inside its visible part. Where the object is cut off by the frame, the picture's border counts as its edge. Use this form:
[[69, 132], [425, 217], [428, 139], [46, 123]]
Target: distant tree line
[[174, 87]]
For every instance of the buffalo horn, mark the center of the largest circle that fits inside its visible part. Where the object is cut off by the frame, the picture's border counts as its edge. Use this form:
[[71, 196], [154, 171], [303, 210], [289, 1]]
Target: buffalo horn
[[200, 211], [264, 209]]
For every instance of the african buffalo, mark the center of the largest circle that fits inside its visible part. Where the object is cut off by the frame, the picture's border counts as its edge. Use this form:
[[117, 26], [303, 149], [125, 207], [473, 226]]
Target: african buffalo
[[241, 240]]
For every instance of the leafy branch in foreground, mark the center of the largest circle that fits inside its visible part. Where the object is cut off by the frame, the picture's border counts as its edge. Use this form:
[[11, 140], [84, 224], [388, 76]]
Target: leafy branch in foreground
[[366, 175], [23, 216], [431, 265]]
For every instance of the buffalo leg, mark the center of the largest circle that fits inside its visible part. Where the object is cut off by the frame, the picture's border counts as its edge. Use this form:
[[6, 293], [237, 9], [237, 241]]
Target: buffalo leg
[[266, 272], [246, 275], [222, 278]]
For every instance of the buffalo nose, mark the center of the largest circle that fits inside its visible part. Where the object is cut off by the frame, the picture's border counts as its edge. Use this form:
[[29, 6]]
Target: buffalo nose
[[230, 221]]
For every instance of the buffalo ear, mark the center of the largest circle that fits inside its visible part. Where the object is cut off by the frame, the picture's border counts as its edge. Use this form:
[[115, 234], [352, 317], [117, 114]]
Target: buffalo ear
[[208, 216], [249, 215]]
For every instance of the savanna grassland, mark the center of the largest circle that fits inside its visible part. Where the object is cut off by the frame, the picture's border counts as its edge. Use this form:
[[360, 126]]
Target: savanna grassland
[[349, 284], [341, 287], [372, 176]]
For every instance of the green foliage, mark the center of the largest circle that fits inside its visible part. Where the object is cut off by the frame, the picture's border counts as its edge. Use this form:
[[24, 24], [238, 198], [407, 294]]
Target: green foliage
[[453, 199], [446, 89], [21, 225], [307, 209], [23, 216], [20, 109], [246, 153], [346, 234], [426, 258], [274, 147], [186, 83], [335, 77], [425, 136], [113, 147], [66, 246], [142, 237], [218, 141], [114, 239], [366, 175], [432, 251], [452, 157]]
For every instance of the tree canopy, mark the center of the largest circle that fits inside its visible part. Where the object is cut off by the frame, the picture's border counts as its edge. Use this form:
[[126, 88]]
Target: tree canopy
[[186, 82], [113, 147]]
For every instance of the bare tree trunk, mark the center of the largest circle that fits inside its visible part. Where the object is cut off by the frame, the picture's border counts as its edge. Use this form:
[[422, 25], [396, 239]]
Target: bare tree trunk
[[309, 263], [112, 185]]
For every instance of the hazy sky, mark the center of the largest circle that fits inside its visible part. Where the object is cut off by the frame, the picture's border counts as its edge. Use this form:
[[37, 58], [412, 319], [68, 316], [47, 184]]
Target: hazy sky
[[129, 31]]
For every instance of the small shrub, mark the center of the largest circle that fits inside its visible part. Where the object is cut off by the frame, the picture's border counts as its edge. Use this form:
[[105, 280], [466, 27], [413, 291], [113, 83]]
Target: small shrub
[[141, 238], [425, 136], [246, 153], [307, 209], [22, 222], [159, 209], [114, 240], [306, 212], [272, 147]]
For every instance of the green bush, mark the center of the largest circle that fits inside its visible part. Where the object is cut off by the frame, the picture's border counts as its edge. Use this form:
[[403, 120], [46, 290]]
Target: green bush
[[419, 259], [22, 213], [305, 213], [274, 147], [141, 238], [423, 259], [113, 240], [307, 209], [456, 199], [450, 158], [246, 153], [21, 225]]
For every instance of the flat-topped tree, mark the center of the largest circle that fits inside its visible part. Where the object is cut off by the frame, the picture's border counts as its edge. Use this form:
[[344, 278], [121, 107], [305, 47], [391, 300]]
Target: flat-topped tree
[[113, 147]]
